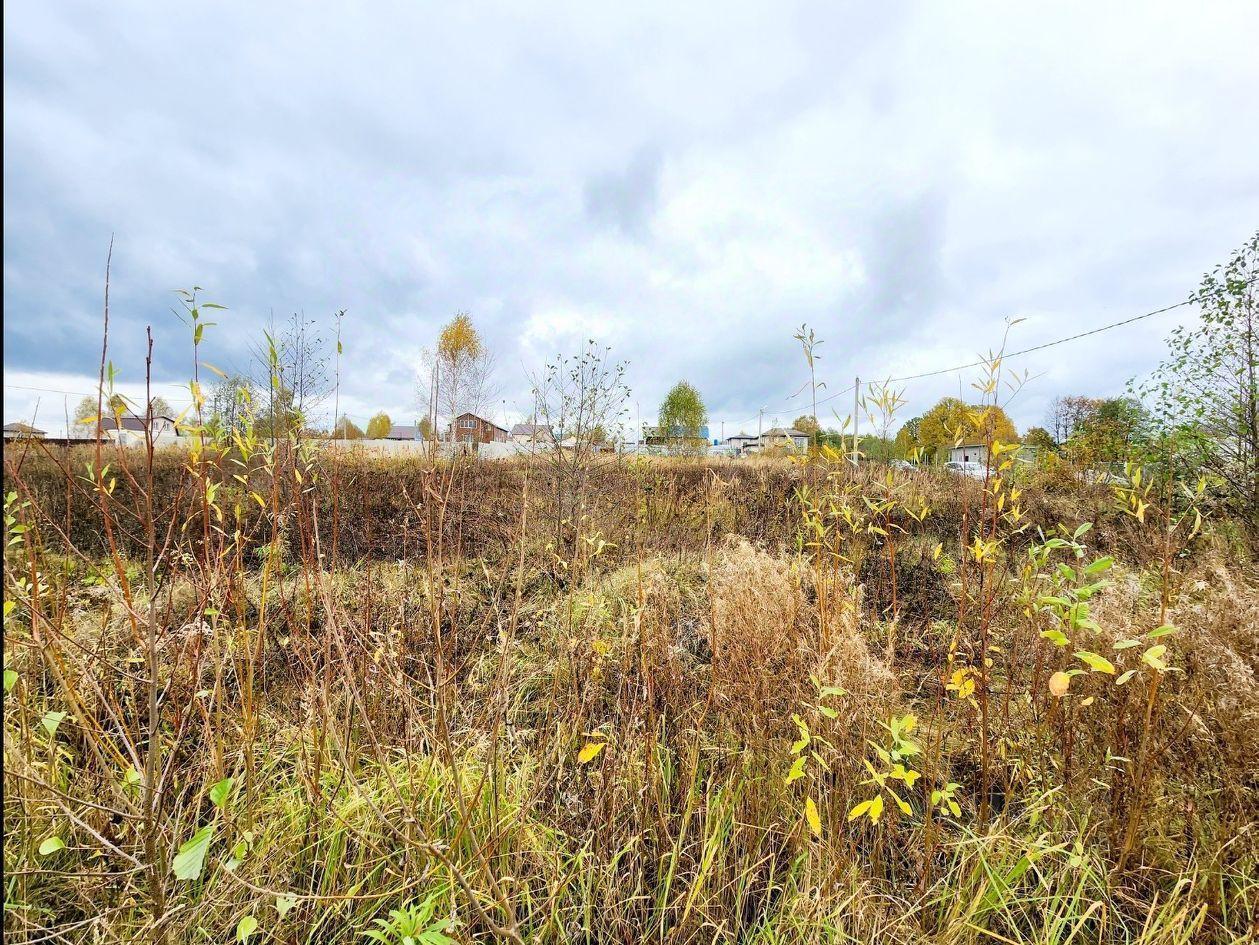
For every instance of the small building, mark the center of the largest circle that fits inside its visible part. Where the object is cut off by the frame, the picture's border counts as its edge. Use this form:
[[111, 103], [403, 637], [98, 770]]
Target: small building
[[469, 428], [409, 432], [22, 431], [784, 438], [741, 443], [157, 425], [978, 453], [969, 453], [536, 434]]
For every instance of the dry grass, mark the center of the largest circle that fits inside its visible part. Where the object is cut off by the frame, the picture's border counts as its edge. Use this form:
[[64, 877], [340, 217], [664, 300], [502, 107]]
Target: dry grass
[[413, 730]]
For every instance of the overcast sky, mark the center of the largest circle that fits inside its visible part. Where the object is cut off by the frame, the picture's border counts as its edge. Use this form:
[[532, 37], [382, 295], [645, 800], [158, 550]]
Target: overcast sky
[[687, 183]]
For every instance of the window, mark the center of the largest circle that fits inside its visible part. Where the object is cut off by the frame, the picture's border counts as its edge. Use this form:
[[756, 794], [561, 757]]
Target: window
[[467, 424]]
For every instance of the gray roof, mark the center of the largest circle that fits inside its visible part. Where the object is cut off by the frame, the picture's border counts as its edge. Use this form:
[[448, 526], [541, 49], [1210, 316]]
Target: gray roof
[[528, 429], [785, 431], [18, 427], [403, 432], [130, 421]]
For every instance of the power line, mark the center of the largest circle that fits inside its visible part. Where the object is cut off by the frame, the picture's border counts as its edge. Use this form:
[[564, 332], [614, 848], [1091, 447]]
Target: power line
[[1049, 344], [78, 393], [1015, 354]]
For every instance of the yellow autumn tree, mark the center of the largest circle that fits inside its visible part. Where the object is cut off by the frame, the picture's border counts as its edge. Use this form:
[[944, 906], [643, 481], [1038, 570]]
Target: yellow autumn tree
[[952, 420], [378, 427], [458, 376]]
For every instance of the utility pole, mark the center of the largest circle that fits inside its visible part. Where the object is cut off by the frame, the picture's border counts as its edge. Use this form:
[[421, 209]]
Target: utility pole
[[723, 431], [856, 393], [760, 419]]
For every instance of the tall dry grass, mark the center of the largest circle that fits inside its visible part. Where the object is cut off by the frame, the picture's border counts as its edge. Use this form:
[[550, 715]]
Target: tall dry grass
[[260, 693]]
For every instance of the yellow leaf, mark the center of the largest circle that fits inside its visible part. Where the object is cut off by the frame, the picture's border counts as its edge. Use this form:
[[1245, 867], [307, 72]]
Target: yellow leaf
[[811, 815], [1153, 657], [797, 770], [1059, 683], [1099, 664], [876, 809], [589, 753]]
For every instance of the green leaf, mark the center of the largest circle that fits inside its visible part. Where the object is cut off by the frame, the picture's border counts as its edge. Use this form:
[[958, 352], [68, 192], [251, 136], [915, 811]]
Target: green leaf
[[1162, 631], [51, 720], [1101, 564], [1125, 676], [1099, 664], [1056, 637], [10, 678], [220, 792], [284, 903], [245, 928], [51, 845], [191, 856]]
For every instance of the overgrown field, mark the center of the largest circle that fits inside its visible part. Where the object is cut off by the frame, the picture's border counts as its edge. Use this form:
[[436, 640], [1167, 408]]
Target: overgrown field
[[291, 697]]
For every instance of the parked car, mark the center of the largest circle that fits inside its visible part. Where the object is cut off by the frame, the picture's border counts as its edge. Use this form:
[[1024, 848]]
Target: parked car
[[974, 470], [903, 464]]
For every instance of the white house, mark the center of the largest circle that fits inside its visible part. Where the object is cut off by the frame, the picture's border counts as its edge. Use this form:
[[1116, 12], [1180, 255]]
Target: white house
[[978, 453], [22, 431], [969, 453], [539, 434], [740, 443], [118, 427]]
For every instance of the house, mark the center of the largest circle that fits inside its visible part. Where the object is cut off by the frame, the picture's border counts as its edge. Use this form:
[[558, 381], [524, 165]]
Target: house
[[784, 438], [22, 431], [740, 443], [978, 453], [969, 453], [404, 432], [157, 425], [469, 428], [533, 433]]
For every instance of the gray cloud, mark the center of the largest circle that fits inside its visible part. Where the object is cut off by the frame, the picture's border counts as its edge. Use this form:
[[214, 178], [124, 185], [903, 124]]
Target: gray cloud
[[687, 185], [626, 200]]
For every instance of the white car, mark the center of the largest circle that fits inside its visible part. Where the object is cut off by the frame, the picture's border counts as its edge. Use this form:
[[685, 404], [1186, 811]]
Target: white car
[[974, 470]]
